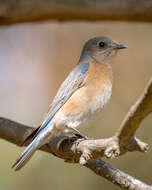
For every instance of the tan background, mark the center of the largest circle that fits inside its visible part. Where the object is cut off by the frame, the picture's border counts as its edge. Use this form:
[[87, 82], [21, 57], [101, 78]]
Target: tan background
[[34, 60]]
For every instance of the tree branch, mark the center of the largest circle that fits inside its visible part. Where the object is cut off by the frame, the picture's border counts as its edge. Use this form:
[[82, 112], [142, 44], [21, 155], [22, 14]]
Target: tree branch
[[88, 151], [116, 176], [16, 11], [136, 114]]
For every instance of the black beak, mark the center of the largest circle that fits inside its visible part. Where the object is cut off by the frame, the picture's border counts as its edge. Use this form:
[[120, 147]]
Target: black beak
[[121, 46]]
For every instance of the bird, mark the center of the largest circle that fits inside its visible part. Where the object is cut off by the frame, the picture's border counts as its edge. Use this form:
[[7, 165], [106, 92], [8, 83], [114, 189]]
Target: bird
[[83, 95]]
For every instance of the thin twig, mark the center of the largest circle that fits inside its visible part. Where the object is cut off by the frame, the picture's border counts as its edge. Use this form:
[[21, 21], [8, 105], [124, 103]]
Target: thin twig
[[136, 114]]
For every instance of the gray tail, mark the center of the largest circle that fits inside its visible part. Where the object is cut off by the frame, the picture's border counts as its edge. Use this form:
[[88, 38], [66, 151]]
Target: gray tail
[[25, 156], [41, 138]]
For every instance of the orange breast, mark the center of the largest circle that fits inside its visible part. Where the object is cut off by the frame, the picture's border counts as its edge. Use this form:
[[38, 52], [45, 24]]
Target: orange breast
[[98, 83], [99, 74]]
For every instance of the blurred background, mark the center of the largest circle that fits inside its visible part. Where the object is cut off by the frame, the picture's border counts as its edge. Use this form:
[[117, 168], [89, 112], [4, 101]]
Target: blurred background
[[34, 60]]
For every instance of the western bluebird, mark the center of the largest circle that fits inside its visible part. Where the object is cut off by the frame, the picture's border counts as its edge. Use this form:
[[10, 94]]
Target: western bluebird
[[83, 94]]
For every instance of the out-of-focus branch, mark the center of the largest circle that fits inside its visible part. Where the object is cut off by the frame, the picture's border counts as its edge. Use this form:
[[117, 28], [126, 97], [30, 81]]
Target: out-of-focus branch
[[87, 151], [17, 11]]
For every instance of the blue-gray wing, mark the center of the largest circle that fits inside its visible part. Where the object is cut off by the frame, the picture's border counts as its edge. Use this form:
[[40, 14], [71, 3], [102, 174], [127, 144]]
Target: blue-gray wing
[[73, 82]]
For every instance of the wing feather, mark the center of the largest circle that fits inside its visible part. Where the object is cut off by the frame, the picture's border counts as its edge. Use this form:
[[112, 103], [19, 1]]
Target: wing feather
[[73, 82]]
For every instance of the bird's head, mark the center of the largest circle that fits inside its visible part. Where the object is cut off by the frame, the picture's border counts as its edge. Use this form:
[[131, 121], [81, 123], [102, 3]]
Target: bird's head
[[101, 49]]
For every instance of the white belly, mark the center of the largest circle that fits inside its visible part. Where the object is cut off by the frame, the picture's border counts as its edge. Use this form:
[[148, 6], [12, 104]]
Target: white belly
[[100, 101]]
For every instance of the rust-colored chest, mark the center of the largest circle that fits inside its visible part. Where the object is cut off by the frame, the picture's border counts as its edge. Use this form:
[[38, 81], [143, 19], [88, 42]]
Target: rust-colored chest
[[99, 75]]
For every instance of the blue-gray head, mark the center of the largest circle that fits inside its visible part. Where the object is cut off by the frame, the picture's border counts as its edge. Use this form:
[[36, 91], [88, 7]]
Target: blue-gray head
[[100, 49]]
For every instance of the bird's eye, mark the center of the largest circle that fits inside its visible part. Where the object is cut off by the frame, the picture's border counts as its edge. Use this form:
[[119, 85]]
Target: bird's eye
[[101, 44]]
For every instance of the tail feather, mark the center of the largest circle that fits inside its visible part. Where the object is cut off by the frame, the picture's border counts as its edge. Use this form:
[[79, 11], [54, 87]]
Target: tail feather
[[25, 156], [40, 138]]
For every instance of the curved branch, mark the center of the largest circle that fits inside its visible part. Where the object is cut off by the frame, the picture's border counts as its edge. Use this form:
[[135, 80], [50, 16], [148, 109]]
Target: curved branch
[[64, 147], [87, 151], [136, 114], [16, 11]]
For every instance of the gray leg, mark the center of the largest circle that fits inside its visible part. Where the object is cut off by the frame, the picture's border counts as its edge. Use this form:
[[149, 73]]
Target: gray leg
[[78, 133]]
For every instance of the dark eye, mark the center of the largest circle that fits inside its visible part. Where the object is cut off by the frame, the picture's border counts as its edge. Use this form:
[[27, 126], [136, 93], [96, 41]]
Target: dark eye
[[101, 44]]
